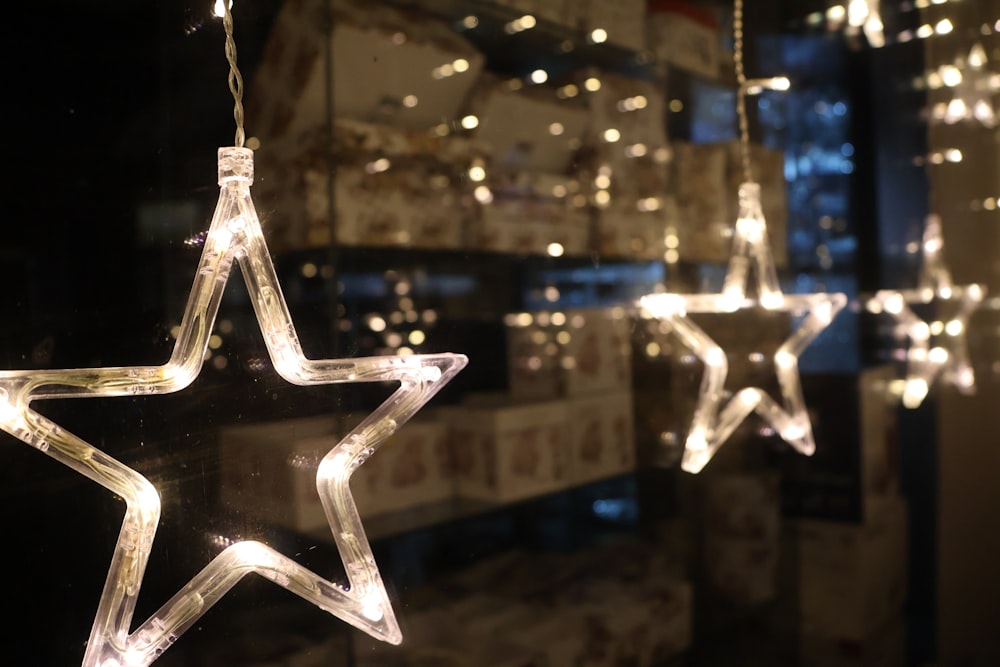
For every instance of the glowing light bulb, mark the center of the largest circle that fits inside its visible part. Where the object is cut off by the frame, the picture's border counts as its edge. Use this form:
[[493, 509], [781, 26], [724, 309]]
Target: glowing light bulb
[[219, 8]]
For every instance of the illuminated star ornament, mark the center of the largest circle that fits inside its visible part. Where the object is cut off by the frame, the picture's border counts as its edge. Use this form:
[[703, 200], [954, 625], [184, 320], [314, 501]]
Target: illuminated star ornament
[[937, 348], [234, 236], [714, 418]]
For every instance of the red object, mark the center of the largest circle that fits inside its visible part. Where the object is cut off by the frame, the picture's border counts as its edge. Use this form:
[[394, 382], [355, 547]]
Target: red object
[[686, 9]]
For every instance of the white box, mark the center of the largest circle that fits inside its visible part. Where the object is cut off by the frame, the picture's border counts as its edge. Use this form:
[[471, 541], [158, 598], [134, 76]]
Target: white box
[[528, 226], [602, 436], [742, 524], [591, 346], [685, 35], [632, 107], [705, 222], [852, 577], [879, 431], [533, 370], [411, 468], [625, 22], [597, 357], [526, 132], [387, 68], [504, 451], [269, 470], [625, 231], [884, 648], [743, 505]]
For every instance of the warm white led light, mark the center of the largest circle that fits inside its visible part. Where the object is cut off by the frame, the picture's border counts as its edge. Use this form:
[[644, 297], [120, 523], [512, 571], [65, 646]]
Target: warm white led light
[[219, 8], [949, 360], [539, 76], [714, 421], [866, 15], [364, 603]]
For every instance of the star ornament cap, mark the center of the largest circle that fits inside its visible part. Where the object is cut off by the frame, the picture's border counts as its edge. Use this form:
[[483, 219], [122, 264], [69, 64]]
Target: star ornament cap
[[234, 236], [938, 349], [716, 418]]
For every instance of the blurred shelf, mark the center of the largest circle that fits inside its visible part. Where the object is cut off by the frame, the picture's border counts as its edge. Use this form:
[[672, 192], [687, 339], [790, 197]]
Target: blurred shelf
[[559, 48]]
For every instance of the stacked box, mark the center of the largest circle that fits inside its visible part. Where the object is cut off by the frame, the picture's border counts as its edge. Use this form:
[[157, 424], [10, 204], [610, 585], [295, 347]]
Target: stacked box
[[534, 368], [597, 356], [410, 469], [646, 228], [624, 21], [389, 67], [628, 164], [527, 129], [601, 436], [884, 648], [269, 470], [575, 352], [533, 226], [529, 194], [856, 427], [685, 35], [390, 186], [852, 577], [504, 450], [705, 225], [742, 529], [584, 356], [588, 608]]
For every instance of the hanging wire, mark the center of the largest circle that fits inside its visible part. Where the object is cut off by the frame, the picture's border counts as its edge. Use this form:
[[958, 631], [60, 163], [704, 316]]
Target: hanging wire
[[235, 78], [741, 92]]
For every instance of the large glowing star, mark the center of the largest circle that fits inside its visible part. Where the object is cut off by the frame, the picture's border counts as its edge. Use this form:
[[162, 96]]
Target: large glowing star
[[235, 235], [714, 421], [938, 348]]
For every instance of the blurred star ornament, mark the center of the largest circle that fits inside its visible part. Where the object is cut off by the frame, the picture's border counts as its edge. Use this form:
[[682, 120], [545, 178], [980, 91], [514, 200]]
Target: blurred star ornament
[[714, 421], [866, 16], [937, 348]]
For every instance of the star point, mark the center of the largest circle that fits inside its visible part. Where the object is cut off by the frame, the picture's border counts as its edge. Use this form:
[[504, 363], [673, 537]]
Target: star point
[[234, 236]]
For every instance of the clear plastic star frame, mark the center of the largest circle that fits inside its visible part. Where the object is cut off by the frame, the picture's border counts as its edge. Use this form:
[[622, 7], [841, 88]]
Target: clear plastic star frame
[[234, 236], [714, 422], [937, 348]]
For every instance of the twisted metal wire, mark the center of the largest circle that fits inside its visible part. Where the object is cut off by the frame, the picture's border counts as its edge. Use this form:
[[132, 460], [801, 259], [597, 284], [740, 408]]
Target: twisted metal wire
[[235, 78]]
